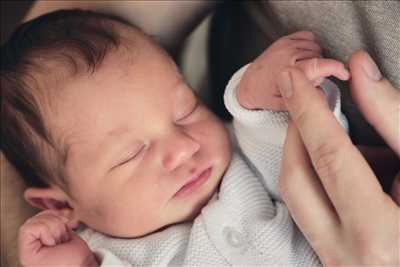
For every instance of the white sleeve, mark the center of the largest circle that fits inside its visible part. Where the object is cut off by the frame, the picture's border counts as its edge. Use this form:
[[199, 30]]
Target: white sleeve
[[261, 134], [104, 256], [107, 259]]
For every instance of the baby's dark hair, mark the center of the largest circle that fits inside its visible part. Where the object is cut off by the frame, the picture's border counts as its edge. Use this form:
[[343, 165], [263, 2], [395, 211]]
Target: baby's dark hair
[[76, 42]]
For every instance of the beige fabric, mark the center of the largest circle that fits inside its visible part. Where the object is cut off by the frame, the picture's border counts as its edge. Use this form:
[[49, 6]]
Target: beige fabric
[[342, 27], [14, 211]]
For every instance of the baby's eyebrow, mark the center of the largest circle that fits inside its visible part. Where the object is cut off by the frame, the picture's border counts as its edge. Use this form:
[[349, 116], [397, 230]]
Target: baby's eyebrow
[[105, 144]]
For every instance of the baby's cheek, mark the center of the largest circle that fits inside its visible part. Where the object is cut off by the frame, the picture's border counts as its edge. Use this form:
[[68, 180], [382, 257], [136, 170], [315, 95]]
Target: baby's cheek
[[220, 143]]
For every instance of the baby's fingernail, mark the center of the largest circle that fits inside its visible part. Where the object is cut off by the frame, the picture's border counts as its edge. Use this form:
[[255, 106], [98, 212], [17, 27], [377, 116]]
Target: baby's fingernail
[[285, 84], [371, 69]]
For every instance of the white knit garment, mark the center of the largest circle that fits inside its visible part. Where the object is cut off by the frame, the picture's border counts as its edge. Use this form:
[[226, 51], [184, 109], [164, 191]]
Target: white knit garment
[[245, 223]]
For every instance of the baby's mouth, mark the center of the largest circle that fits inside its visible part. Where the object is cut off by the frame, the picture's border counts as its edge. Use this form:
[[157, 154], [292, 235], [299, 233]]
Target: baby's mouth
[[194, 183]]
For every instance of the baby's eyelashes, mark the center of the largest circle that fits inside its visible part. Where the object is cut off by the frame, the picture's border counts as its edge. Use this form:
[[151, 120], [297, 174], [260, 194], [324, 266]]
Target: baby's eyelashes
[[132, 154], [187, 111], [183, 104]]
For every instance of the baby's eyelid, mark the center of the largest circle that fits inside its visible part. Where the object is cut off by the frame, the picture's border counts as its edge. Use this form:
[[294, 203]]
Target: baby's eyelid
[[196, 104], [131, 156]]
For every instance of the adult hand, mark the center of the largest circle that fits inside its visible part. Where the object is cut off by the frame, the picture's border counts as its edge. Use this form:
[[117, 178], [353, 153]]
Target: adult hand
[[329, 188]]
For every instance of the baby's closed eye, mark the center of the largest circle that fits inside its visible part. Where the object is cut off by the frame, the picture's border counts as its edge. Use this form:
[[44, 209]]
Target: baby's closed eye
[[130, 155], [187, 110]]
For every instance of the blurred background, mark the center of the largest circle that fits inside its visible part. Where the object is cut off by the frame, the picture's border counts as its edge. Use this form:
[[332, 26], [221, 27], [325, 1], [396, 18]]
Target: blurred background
[[11, 14]]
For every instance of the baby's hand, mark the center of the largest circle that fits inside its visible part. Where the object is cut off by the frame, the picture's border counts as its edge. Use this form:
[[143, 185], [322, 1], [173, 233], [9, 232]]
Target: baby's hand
[[258, 88], [47, 240]]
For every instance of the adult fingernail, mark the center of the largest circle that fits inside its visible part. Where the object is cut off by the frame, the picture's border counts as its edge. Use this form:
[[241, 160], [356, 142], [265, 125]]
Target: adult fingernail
[[371, 69], [285, 84]]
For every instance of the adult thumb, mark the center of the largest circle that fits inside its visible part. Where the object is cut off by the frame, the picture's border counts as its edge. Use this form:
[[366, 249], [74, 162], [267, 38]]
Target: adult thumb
[[395, 191], [376, 98]]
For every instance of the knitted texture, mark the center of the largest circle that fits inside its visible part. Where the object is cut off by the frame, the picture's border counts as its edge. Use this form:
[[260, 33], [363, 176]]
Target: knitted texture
[[245, 223]]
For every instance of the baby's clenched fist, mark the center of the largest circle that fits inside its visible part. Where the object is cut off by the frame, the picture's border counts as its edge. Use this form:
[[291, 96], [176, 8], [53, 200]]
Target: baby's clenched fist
[[47, 240]]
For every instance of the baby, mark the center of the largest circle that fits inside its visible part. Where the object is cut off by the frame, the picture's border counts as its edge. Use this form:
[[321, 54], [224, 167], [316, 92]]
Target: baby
[[99, 121]]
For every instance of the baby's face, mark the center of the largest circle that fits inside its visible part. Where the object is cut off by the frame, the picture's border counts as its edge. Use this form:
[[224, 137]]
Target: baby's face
[[143, 152]]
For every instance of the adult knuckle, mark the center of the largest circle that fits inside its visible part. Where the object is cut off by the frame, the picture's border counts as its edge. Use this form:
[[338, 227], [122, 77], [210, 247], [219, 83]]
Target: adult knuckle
[[373, 252], [327, 159], [375, 247], [300, 115]]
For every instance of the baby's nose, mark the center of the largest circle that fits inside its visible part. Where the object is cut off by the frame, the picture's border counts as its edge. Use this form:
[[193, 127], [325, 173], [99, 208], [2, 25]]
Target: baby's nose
[[179, 149]]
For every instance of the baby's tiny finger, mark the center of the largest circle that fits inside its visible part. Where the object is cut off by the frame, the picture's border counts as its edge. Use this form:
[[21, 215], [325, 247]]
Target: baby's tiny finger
[[42, 232], [323, 67], [49, 215], [302, 35], [305, 54], [307, 45], [56, 226]]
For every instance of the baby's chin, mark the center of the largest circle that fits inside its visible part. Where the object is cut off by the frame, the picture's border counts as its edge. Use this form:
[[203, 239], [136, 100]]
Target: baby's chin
[[188, 215], [175, 213], [140, 232]]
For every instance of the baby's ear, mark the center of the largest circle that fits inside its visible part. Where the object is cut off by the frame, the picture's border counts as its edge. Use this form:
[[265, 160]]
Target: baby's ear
[[51, 197]]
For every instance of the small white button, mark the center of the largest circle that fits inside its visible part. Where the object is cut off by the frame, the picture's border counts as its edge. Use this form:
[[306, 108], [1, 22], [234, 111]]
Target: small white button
[[233, 237]]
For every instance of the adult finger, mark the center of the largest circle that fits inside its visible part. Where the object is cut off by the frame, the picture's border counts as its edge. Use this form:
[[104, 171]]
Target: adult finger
[[336, 161], [303, 193], [377, 99]]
